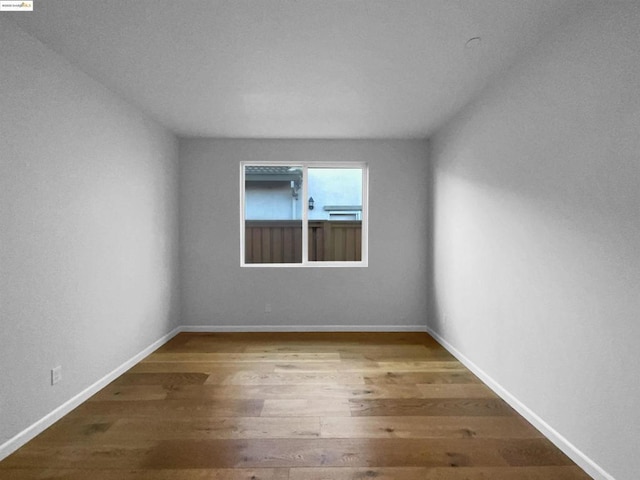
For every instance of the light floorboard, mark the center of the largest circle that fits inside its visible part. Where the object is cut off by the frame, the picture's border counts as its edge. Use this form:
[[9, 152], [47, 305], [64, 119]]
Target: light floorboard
[[293, 406]]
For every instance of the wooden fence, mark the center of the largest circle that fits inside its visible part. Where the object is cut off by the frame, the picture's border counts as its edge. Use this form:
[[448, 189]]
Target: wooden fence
[[280, 241]]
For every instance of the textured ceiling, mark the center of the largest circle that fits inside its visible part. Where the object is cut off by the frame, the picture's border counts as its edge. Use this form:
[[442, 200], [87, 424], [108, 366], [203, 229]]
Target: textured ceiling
[[295, 68]]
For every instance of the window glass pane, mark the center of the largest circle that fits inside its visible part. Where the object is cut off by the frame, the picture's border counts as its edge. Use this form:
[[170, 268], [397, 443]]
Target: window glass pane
[[273, 214], [335, 214]]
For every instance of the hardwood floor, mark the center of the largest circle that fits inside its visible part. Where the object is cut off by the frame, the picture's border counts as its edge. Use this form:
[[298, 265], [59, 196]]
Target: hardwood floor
[[285, 406]]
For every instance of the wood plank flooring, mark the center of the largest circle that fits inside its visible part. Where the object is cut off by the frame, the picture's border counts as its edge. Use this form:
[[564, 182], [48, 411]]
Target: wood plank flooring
[[285, 406]]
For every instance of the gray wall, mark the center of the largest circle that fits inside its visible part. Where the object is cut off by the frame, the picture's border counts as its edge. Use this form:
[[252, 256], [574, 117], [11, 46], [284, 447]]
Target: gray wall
[[88, 208], [389, 292], [537, 234]]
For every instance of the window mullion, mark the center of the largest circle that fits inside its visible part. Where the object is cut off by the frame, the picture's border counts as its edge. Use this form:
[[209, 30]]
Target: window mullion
[[305, 216]]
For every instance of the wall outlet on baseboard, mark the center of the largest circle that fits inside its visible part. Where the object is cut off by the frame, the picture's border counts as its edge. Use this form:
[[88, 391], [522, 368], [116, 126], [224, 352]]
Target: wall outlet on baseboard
[[56, 374]]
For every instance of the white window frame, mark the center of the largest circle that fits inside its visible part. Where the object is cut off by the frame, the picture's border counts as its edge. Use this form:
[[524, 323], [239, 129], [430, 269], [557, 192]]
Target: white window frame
[[305, 217]]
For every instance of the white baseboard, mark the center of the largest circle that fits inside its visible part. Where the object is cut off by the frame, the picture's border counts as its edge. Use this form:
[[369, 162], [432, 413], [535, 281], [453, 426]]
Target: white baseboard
[[302, 328], [45, 422], [582, 460]]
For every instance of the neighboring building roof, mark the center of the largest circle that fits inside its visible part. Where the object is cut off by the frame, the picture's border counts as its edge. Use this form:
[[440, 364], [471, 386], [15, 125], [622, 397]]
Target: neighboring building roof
[[343, 208], [266, 173]]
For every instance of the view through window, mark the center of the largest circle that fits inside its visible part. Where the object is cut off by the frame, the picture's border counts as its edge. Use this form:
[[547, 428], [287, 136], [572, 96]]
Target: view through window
[[304, 214]]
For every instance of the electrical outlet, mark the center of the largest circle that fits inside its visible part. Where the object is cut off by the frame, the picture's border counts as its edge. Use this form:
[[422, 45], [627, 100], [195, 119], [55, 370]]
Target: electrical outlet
[[56, 374], [267, 308]]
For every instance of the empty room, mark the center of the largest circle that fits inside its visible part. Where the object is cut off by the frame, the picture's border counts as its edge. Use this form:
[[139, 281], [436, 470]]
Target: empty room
[[319, 239]]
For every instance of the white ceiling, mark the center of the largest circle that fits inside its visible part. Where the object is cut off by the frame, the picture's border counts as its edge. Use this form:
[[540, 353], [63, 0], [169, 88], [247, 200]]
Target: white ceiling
[[295, 68]]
